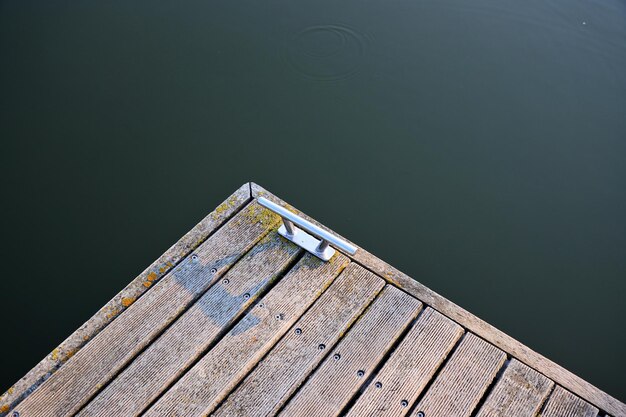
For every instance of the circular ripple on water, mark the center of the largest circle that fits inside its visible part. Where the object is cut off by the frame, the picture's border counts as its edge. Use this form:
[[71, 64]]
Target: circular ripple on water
[[326, 52]]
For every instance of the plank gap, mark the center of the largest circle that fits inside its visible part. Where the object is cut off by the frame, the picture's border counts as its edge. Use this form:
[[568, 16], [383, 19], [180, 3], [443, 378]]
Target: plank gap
[[498, 377], [545, 401]]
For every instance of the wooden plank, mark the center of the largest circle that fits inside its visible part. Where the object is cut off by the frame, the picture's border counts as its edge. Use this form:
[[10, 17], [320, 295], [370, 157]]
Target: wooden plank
[[472, 323], [463, 380], [520, 392], [187, 338], [407, 371], [279, 374], [565, 404], [205, 385], [124, 298], [344, 371], [98, 361]]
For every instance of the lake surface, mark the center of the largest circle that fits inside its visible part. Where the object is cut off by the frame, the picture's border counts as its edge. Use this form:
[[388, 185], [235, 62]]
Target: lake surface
[[477, 145]]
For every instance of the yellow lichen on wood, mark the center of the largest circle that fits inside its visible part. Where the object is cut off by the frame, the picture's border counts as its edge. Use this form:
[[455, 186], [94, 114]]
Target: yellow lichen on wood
[[334, 257], [262, 215], [219, 210], [55, 354], [147, 284], [70, 354], [152, 276], [112, 312], [4, 408], [127, 301]]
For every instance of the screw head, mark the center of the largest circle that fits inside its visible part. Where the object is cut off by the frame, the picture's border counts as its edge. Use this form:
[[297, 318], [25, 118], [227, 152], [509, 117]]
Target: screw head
[[321, 346], [360, 373], [213, 270], [194, 256], [16, 414], [379, 384], [246, 296], [420, 414], [404, 403], [336, 356], [226, 281], [298, 331], [279, 316], [261, 305]]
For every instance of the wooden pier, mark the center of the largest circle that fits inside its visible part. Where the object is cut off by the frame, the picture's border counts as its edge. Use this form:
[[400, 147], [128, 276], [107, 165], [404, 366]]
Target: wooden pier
[[235, 320]]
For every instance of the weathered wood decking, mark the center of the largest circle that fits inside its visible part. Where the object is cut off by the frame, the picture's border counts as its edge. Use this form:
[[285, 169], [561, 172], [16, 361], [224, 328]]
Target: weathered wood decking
[[234, 320]]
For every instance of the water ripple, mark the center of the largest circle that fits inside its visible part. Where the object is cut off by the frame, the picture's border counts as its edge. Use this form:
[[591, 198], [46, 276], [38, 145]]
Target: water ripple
[[326, 52]]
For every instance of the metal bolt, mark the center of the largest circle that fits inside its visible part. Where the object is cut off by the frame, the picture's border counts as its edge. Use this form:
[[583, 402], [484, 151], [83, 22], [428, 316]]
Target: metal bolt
[[226, 281], [261, 305], [279, 316], [213, 270], [194, 256], [379, 384], [420, 414], [16, 414], [404, 403], [336, 356], [289, 227], [246, 296], [298, 331], [360, 373], [321, 346]]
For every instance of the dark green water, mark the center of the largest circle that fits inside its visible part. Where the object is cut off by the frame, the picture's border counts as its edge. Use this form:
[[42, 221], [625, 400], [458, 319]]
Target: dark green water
[[478, 145]]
